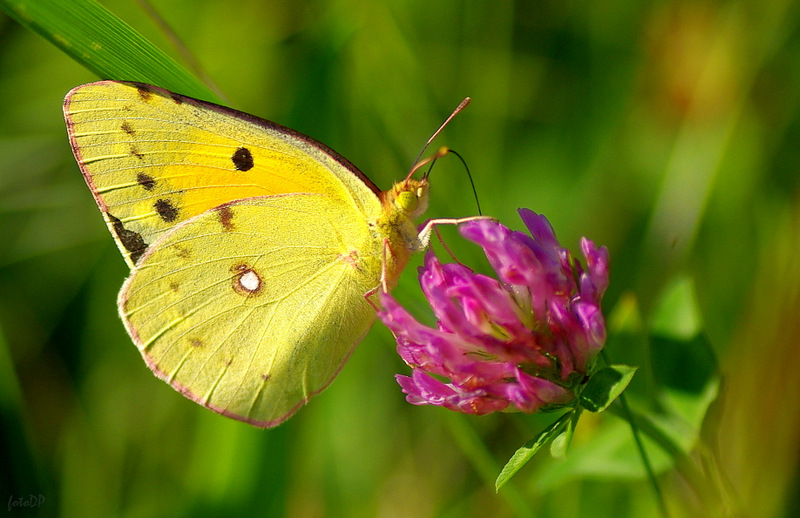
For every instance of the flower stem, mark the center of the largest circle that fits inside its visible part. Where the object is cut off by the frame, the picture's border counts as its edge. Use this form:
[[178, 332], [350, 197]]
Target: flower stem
[[662, 506], [645, 459]]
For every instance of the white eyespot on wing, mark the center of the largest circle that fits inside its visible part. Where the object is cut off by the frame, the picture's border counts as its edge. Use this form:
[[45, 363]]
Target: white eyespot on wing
[[246, 280]]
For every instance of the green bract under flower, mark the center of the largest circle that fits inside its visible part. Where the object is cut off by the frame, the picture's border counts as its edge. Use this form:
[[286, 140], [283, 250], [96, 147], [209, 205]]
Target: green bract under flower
[[521, 341]]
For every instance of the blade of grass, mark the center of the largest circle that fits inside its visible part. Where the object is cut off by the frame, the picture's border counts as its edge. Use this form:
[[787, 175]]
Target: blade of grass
[[104, 44], [180, 47]]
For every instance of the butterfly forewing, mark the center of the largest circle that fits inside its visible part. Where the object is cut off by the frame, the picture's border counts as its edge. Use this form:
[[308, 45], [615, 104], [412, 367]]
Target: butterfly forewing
[[153, 158]]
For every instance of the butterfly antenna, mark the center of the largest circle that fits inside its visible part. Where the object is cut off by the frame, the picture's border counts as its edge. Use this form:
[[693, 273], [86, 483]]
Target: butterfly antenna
[[440, 153], [471, 182], [463, 104]]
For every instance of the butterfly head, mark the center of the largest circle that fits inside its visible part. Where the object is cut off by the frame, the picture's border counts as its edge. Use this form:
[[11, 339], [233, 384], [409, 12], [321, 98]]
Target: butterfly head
[[409, 197]]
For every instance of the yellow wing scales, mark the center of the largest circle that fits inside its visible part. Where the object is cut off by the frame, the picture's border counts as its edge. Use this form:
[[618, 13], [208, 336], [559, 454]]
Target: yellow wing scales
[[239, 334], [153, 159]]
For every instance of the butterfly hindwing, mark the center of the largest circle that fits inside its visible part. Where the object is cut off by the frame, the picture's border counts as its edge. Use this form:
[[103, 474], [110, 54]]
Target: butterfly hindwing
[[241, 307]]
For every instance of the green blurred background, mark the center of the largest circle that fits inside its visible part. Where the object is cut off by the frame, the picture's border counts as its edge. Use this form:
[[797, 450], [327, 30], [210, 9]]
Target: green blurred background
[[666, 130]]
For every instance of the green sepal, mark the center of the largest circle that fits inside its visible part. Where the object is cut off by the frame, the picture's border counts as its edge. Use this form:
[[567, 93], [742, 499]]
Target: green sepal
[[605, 386]]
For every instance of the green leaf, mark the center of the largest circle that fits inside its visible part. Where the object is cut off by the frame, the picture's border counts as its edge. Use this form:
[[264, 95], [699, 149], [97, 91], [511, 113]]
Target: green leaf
[[104, 44], [682, 356], [559, 446], [524, 454], [677, 314], [605, 386]]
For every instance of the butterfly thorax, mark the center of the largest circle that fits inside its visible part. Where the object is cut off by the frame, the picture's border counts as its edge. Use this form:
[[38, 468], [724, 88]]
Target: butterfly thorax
[[402, 204]]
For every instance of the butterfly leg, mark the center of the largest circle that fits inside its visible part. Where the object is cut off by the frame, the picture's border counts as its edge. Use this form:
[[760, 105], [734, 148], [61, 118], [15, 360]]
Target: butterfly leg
[[424, 235], [383, 283]]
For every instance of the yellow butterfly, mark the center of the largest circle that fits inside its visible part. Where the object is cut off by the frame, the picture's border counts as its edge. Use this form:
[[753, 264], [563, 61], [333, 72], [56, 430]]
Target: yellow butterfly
[[252, 247]]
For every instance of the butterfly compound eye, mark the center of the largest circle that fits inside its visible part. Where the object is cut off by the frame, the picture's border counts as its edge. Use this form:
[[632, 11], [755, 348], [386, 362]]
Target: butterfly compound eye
[[407, 201]]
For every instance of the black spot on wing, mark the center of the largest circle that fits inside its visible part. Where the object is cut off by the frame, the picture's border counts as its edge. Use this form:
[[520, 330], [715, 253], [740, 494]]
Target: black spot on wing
[[166, 210], [242, 159], [127, 128], [132, 241], [146, 181]]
